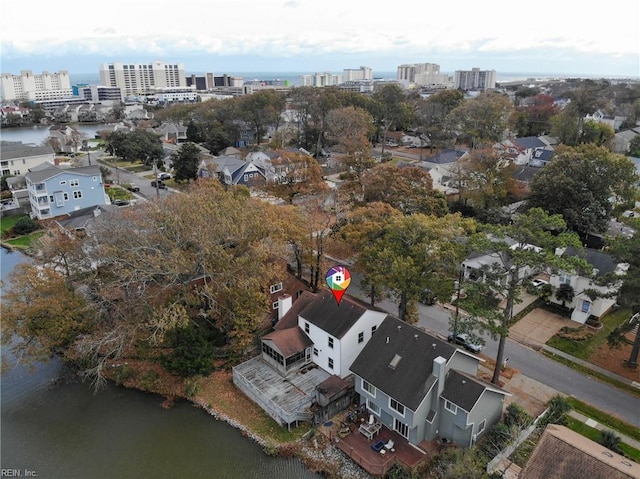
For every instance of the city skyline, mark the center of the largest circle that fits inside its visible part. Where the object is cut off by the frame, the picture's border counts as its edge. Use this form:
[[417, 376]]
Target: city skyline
[[304, 36]]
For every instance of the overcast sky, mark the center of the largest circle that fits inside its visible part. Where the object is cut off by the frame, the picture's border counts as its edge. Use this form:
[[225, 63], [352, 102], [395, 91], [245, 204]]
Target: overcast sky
[[230, 36]]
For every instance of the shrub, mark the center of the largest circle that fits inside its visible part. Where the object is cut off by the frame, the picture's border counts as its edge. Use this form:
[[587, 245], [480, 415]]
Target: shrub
[[610, 440], [192, 354], [24, 226]]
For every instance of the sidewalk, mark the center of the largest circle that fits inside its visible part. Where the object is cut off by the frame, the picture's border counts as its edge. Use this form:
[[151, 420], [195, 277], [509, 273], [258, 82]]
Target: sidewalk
[[591, 423], [592, 367]]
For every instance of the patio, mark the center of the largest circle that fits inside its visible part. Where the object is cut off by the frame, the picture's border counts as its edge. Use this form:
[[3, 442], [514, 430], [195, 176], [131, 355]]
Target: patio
[[346, 436]]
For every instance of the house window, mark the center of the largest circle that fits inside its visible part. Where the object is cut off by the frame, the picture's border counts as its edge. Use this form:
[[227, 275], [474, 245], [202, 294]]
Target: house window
[[66, 196], [396, 406], [275, 305], [63, 182], [274, 288], [74, 182], [315, 351], [373, 329], [360, 337], [330, 363], [50, 198], [481, 426], [373, 407], [246, 177], [306, 327], [585, 306], [95, 178], [370, 388], [77, 195], [565, 278], [449, 406], [401, 427], [330, 342]]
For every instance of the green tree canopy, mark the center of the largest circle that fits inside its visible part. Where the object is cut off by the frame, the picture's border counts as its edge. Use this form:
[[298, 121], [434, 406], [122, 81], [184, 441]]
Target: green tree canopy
[[584, 184], [185, 162]]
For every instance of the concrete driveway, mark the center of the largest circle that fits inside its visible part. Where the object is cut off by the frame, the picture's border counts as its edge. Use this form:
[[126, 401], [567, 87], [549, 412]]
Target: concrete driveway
[[537, 327]]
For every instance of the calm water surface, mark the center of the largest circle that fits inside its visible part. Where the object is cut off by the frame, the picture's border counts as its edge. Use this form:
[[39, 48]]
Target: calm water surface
[[36, 134], [59, 429]]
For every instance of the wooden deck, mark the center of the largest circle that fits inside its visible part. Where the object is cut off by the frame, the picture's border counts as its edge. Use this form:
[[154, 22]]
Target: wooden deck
[[286, 399], [359, 449]]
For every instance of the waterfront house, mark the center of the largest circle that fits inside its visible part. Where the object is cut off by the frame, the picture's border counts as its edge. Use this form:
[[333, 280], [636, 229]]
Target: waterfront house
[[18, 158], [55, 191], [425, 388]]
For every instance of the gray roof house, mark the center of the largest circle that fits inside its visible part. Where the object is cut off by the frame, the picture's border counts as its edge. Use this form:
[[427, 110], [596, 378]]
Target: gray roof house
[[54, 191], [231, 170], [315, 339], [425, 388], [17, 158], [582, 305]]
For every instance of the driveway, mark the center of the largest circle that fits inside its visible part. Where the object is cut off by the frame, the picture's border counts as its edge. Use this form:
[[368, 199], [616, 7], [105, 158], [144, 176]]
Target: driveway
[[537, 327]]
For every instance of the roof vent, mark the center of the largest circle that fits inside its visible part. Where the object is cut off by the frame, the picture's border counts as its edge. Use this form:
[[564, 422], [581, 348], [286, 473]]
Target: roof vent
[[433, 346], [394, 362], [387, 339], [464, 382], [399, 327], [415, 337]]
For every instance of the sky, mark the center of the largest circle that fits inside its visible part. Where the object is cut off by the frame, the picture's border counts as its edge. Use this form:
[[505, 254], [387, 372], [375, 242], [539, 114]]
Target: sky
[[231, 36]]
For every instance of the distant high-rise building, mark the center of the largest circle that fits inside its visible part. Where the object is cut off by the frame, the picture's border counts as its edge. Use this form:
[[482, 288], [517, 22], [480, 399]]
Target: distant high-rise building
[[422, 74], [135, 78], [475, 79], [321, 79], [362, 73], [100, 93], [30, 87]]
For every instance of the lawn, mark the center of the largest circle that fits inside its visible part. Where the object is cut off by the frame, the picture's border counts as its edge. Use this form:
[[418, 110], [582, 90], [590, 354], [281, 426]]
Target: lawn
[[7, 222], [593, 434], [25, 242], [604, 419], [585, 348]]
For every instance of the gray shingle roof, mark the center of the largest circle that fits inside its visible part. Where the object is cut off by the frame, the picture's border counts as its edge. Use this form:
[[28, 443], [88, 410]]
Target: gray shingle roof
[[335, 319], [602, 262], [529, 142], [412, 377], [39, 175], [13, 150], [464, 390]]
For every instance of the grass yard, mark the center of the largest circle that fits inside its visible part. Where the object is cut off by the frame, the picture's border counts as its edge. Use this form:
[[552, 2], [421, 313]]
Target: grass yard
[[7, 222], [25, 242], [593, 434], [604, 419], [585, 348]]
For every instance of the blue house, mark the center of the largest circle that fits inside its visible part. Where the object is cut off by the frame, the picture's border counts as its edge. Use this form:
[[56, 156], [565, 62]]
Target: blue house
[[54, 191]]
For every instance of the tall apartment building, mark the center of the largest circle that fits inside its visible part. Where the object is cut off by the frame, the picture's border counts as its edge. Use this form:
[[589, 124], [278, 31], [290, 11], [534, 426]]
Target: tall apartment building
[[321, 79], [30, 87], [422, 74], [140, 78], [100, 93], [475, 79], [362, 73]]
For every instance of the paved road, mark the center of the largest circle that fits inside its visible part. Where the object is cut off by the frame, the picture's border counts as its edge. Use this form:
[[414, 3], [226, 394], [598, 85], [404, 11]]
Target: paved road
[[531, 363]]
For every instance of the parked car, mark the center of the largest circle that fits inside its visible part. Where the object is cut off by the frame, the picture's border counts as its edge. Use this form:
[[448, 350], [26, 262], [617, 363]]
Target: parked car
[[120, 202], [158, 183], [538, 283], [463, 340], [164, 176], [132, 187], [427, 297]]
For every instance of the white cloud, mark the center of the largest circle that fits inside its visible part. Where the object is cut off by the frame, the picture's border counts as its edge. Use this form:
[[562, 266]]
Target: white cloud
[[303, 27]]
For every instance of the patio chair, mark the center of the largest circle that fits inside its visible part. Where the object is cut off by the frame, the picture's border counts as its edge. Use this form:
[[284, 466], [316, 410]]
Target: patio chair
[[371, 419], [389, 445]]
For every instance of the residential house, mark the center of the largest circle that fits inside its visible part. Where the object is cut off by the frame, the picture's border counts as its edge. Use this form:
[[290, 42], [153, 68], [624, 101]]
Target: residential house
[[622, 140], [425, 388], [315, 339], [12, 115], [521, 151], [64, 139], [479, 264], [231, 170], [54, 191], [562, 453], [584, 304], [540, 157], [172, 133], [600, 117], [18, 158], [444, 168]]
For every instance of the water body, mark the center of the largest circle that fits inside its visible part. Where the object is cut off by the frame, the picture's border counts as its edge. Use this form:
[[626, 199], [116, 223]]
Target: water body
[[58, 428], [37, 134]]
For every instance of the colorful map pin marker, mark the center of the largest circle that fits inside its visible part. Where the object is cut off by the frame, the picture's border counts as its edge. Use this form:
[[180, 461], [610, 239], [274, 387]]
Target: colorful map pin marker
[[338, 278]]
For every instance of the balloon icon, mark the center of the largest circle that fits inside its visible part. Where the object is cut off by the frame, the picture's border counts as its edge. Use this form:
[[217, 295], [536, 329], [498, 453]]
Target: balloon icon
[[338, 279]]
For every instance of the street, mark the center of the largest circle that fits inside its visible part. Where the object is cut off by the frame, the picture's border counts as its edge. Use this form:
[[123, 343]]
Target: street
[[529, 362]]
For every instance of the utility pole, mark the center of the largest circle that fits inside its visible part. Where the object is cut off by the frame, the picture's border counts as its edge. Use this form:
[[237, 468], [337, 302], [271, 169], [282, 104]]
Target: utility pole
[[458, 287]]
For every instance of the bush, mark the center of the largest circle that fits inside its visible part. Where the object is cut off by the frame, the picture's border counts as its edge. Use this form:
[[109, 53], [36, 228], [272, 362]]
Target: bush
[[192, 354], [24, 226]]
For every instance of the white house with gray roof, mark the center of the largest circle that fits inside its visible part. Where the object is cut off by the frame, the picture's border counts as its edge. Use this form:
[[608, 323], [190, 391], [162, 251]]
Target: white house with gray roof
[[18, 158], [55, 191], [584, 304]]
